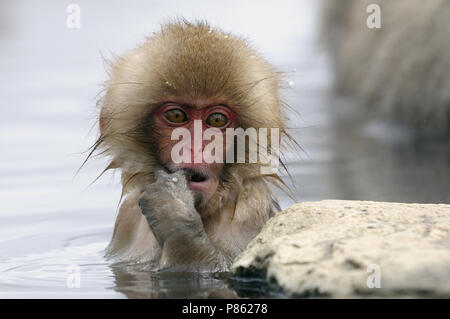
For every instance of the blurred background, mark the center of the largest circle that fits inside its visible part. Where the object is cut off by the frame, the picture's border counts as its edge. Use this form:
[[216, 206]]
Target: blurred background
[[371, 114]]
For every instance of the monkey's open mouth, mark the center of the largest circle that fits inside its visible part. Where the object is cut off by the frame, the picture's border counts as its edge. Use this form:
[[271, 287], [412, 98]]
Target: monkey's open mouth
[[199, 181], [191, 175], [195, 176]]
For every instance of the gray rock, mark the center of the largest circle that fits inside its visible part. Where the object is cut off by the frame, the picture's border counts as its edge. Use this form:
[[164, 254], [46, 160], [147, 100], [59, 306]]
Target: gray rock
[[339, 248]]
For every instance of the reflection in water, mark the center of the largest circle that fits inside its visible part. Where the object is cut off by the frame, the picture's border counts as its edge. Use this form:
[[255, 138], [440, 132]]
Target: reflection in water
[[135, 282]]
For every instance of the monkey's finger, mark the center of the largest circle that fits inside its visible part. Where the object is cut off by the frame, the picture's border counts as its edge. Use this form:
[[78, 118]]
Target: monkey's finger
[[182, 176], [160, 172]]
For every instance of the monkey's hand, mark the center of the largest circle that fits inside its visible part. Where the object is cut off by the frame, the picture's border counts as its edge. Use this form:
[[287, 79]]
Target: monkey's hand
[[168, 206]]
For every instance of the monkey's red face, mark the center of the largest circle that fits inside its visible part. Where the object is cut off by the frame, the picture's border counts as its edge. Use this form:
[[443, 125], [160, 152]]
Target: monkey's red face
[[195, 118]]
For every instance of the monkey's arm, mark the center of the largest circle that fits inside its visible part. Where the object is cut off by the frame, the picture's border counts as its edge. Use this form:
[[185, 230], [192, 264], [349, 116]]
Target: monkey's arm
[[168, 206]]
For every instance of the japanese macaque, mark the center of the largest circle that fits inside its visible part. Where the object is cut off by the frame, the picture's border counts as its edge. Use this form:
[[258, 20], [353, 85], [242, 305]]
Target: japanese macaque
[[400, 70], [193, 215]]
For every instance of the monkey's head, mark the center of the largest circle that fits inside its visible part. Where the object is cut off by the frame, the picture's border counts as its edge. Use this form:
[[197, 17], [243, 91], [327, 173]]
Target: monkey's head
[[191, 77]]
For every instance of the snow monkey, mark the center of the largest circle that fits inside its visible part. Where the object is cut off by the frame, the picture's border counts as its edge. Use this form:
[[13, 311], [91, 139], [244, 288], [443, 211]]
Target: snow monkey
[[193, 215]]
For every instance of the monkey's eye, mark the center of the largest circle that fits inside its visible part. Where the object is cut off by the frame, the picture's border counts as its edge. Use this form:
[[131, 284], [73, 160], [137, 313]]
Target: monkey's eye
[[217, 120], [175, 116]]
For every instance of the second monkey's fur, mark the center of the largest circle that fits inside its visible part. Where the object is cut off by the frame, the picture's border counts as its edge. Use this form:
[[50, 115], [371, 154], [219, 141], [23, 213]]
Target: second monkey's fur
[[191, 60], [401, 70]]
